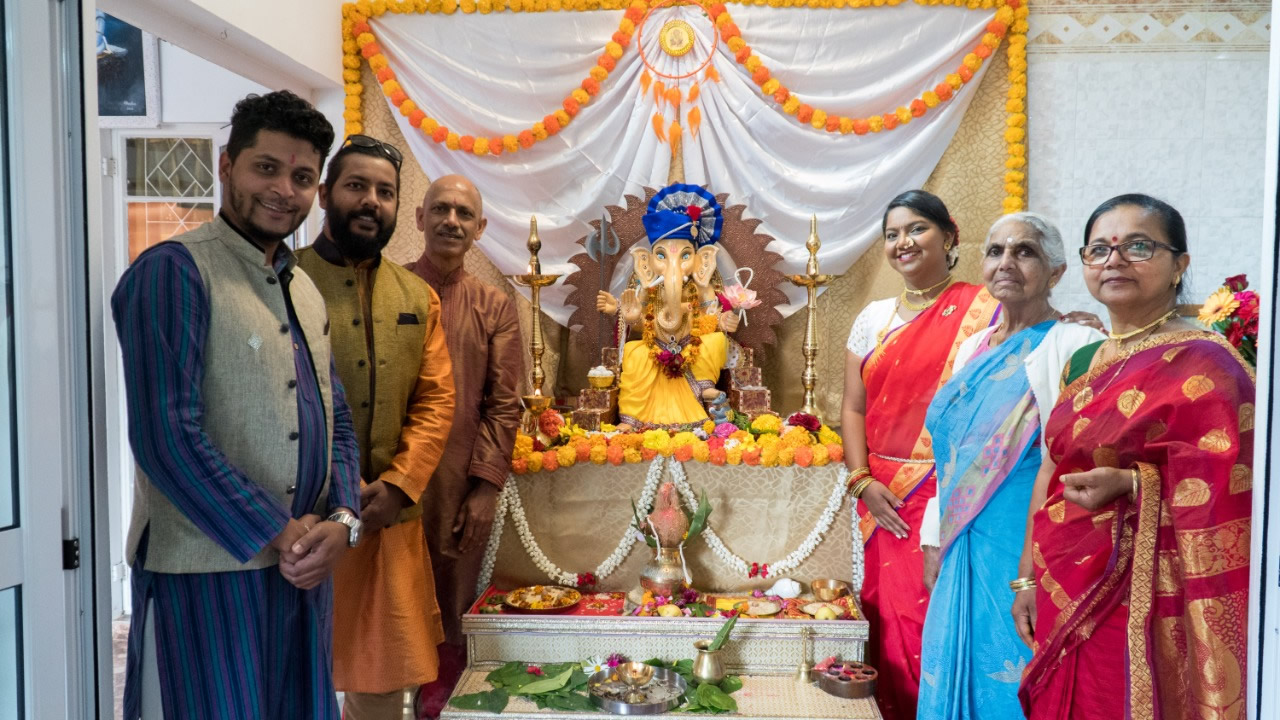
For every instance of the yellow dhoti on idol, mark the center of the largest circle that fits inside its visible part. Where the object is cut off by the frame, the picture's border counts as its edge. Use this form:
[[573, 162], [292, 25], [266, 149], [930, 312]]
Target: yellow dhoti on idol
[[648, 396]]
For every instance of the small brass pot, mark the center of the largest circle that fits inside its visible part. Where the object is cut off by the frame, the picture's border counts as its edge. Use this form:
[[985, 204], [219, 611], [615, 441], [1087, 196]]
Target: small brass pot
[[664, 575], [707, 666]]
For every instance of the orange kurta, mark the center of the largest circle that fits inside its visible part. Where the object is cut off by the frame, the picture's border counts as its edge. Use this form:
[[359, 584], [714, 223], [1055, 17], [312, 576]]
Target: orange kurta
[[386, 620]]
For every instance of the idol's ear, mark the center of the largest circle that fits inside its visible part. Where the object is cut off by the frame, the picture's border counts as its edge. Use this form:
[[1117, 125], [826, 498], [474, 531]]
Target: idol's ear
[[706, 264], [643, 258]]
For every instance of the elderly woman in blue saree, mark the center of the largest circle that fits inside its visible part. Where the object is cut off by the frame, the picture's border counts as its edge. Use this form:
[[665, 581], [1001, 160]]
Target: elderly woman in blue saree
[[985, 424]]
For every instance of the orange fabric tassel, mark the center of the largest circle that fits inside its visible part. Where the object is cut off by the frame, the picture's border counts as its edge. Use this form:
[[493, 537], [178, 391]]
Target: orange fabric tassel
[[713, 74], [645, 79], [674, 137], [673, 96], [695, 120], [659, 92], [658, 128], [694, 92]]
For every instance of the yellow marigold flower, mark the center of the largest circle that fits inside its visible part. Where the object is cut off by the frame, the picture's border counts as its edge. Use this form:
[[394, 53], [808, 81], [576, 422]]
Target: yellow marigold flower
[[769, 457], [876, 123], [701, 451], [407, 107], [770, 86], [1016, 120], [904, 115], [973, 62], [349, 47], [736, 43], [364, 39], [954, 81], [767, 423], [389, 87], [364, 8], [614, 50], [353, 88], [1218, 307], [786, 456], [354, 128], [627, 26], [1004, 15], [448, 6], [820, 455], [796, 436], [791, 105], [752, 63], [846, 125], [723, 20], [352, 102], [683, 438], [990, 40], [598, 454], [539, 132], [451, 141], [352, 115], [535, 462], [1014, 135], [1014, 176], [481, 147], [562, 116], [429, 125], [630, 455], [566, 455], [827, 436], [555, 5], [819, 119], [657, 440], [1014, 163], [931, 98], [733, 455], [379, 7], [742, 436], [352, 62], [1015, 105], [709, 427], [467, 6], [599, 73], [351, 76], [1012, 205], [484, 6]]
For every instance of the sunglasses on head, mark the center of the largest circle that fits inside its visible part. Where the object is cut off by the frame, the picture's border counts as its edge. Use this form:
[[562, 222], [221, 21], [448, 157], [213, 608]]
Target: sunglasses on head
[[389, 151]]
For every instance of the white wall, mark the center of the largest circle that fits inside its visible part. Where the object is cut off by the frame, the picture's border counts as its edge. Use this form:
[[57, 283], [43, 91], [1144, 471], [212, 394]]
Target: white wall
[[1176, 110], [194, 90]]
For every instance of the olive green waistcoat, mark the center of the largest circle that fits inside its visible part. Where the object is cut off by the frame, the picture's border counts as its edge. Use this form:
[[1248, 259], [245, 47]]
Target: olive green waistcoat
[[250, 408], [400, 304]]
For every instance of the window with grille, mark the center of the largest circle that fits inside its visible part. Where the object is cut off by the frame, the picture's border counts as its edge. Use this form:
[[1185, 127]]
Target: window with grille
[[169, 187]]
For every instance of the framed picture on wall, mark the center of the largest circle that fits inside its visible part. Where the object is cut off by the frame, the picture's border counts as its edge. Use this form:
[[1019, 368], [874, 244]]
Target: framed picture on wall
[[128, 75]]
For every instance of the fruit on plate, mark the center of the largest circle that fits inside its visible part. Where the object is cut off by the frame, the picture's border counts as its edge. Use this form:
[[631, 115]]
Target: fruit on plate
[[543, 597], [670, 610], [825, 613]]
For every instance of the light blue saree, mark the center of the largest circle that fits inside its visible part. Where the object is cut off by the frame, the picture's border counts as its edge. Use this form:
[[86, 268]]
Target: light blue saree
[[986, 438]]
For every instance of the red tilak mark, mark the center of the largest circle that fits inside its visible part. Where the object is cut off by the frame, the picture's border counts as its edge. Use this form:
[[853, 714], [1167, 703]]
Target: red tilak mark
[[1115, 239], [292, 159]]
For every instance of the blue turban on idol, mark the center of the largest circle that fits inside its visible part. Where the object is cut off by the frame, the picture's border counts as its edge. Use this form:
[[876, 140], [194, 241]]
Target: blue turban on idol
[[687, 212]]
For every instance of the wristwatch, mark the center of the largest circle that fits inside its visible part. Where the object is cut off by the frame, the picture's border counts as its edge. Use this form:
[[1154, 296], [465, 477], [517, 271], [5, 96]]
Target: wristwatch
[[353, 526]]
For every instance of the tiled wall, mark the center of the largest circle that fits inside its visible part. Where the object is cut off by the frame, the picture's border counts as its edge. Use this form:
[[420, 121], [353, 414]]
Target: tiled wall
[[1163, 98]]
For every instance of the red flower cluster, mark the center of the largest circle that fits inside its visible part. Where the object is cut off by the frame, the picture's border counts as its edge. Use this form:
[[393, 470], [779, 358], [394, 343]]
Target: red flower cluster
[[586, 580], [806, 421], [672, 363]]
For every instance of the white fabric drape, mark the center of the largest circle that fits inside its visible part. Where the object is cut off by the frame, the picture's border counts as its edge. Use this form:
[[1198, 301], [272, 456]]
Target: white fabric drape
[[497, 74]]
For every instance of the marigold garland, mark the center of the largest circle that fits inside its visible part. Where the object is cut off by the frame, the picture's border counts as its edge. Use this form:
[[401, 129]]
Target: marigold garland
[[1009, 25]]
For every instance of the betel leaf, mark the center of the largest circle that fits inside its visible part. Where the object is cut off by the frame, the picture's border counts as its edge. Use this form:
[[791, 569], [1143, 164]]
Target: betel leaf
[[492, 702], [723, 635], [731, 683], [510, 675], [545, 684], [571, 702], [712, 697]]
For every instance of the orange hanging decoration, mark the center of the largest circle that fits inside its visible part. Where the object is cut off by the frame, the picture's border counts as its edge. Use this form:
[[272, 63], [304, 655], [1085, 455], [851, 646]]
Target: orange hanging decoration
[[645, 79], [659, 92], [695, 120], [673, 136], [694, 92], [673, 96], [713, 74], [658, 127]]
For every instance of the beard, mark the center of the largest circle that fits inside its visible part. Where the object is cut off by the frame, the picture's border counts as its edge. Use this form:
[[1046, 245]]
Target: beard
[[244, 207], [358, 246]]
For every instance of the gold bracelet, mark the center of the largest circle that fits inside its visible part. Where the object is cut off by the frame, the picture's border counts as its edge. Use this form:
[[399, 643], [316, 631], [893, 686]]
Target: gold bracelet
[[862, 486], [1022, 583], [858, 474], [1133, 492]]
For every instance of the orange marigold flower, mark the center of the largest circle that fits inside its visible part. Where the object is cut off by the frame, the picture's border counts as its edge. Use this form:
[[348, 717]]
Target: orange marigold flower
[[607, 62], [440, 134], [385, 74], [861, 126], [751, 456], [717, 456], [833, 123], [571, 106], [744, 54], [804, 113], [890, 121], [360, 28], [803, 456], [997, 28], [416, 117], [621, 38], [496, 146], [466, 142], [550, 462], [728, 31], [781, 95], [684, 453], [965, 73], [835, 452], [591, 85], [634, 14], [370, 50], [519, 467], [918, 107], [982, 51], [760, 76], [583, 452], [715, 10], [551, 124], [614, 454], [398, 98], [648, 454]]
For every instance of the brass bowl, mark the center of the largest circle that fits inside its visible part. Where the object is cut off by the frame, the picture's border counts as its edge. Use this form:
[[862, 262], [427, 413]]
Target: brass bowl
[[601, 382], [829, 590]]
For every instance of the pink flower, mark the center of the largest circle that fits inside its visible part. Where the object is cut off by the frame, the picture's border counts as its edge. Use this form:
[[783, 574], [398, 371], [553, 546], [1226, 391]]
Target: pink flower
[[806, 421], [724, 430], [615, 660], [740, 298], [533, 670]]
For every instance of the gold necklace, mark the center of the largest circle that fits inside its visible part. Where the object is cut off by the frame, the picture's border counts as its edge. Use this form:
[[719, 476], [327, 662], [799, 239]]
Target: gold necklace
[[1121, 337], [906, 302], [921, 293]]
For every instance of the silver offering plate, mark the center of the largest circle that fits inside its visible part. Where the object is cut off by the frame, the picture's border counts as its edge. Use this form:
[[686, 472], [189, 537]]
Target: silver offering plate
[[662, 693]]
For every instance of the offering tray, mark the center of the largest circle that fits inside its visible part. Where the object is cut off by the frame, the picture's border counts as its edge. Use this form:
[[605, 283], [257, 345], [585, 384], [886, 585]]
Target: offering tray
[[662, 692]]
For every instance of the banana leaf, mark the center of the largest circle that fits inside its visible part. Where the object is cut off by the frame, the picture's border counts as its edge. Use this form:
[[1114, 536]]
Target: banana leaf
[[723, 634], [698, 520], [639, 525]]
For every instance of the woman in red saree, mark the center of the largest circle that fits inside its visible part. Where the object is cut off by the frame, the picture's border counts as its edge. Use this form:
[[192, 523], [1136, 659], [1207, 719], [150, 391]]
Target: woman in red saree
[[900, 351], [1140, 546]]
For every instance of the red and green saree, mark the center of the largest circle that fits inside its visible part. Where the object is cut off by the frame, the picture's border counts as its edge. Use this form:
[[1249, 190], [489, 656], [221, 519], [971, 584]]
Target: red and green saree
[[1141, 606], [901, 375]]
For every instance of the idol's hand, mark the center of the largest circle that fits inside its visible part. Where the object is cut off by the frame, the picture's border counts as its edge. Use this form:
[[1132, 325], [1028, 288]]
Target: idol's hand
[[1081, 317], [884, 505], [728, 321], [1024, 616], [606, 303], [1095, 488], [630, 305], [932, 564]]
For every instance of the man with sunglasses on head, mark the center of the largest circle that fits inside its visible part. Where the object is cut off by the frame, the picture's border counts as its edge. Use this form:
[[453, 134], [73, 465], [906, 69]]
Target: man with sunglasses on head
[[390, 349], [247, 489]]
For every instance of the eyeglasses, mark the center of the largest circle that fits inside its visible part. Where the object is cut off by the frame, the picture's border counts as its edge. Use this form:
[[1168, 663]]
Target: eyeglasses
[[1132, 251], [365, 141]]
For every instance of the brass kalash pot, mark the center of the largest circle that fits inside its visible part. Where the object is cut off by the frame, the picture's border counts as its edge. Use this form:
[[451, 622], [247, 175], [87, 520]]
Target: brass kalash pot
[[664, 575]]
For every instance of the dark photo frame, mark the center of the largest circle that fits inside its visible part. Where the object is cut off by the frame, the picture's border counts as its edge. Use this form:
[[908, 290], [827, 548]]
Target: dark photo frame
[[128, 75]]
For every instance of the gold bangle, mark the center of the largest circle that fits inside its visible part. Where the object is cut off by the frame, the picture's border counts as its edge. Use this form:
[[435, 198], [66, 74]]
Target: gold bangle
[[1022, 583], [858, 474], [862, 486], [1133, 492]]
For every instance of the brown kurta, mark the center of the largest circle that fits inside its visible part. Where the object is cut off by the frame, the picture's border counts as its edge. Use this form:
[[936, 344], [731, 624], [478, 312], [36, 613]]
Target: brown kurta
[[389, 348], [483, 335]]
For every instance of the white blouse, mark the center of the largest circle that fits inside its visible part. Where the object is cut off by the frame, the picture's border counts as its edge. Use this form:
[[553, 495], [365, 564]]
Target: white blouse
[[878, 315]]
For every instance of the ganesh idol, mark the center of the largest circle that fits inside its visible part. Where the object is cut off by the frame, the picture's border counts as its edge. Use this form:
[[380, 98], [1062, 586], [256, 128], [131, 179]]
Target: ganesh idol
[[669, 372]]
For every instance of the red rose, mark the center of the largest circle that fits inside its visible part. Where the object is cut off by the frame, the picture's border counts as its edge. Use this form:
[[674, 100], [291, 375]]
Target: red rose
[[1236, 283], [806, 421], [1235, 334], [1248, 300]]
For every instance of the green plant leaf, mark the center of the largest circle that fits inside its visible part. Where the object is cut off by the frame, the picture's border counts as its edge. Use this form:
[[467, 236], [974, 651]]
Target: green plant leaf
[[510, 675], [710, 696], [492, 702], [723, 635], [698, 522], [545, 684], [572, 702]]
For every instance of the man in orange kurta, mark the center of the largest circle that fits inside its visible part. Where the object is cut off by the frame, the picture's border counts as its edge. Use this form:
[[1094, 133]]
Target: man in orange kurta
[[484, 337], [389, 349]]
